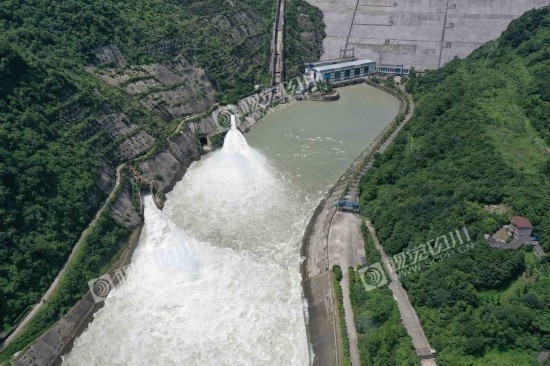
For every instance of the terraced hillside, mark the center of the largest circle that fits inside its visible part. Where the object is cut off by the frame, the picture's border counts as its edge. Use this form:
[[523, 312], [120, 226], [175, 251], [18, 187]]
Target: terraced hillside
[[88, 85]]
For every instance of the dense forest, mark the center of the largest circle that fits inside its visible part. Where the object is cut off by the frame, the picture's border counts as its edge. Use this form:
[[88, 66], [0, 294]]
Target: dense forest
[[53, 150], [479, 138], [381, 335]]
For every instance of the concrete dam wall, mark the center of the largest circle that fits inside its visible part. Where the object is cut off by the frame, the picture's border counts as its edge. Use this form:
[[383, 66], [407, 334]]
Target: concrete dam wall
[[424, 34]]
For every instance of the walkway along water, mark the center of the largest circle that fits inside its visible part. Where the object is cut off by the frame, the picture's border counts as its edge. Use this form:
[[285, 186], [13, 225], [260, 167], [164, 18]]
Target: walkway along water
[[358, 166], [324, 246]]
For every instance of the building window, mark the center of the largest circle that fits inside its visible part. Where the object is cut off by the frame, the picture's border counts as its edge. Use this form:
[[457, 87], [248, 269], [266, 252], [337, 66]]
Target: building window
[[347, 73], [337, 75], [327, 76], [366, 70], [357, 71]]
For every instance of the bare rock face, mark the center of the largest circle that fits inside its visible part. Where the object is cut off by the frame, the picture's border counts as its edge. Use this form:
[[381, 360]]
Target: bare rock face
[[105, 182], [116, 124], [110, 54], [206, 126], [172, 88], [184, 148], [48, 348], [168, 166], [126, 210], [134, 146]]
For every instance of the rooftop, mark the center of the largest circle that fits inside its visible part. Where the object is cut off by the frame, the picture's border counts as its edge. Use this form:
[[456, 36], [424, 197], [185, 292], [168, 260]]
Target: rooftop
[[521, 222], [342, 65], [330, 62]]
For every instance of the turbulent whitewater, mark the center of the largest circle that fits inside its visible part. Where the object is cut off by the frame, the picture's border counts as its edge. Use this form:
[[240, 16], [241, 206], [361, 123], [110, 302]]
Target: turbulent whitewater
[[215, 279]]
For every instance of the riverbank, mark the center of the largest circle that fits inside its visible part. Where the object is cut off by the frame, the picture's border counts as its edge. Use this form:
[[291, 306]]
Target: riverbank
[[170, 164], [322, 326]]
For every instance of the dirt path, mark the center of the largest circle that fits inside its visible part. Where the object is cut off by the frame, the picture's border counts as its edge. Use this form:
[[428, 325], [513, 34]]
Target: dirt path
[[408, 314], [55, 284]]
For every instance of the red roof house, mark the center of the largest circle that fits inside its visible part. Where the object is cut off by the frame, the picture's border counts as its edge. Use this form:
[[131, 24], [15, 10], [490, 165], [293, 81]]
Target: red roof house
[[521, 226]]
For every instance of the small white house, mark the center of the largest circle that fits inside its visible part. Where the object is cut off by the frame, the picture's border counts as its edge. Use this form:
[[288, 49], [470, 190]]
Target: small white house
[[339, 70]]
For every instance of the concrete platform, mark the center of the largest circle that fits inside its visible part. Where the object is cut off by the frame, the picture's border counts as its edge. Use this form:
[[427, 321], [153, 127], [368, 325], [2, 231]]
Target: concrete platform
[[322, 320]]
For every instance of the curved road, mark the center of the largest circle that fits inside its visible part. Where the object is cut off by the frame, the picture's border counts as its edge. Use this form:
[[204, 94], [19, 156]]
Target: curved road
[[334, 238], [346, 245], [55, 284]]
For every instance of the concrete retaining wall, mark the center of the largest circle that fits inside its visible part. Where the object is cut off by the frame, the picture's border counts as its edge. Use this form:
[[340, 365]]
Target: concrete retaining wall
[[171, 163], [322, 327], [424, 34]]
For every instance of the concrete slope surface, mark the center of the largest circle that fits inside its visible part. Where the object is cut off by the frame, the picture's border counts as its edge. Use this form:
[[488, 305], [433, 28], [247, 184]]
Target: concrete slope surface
[[424, 34]]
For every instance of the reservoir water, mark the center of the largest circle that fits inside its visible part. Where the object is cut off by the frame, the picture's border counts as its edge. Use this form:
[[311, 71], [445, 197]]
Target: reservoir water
[[215, 278]]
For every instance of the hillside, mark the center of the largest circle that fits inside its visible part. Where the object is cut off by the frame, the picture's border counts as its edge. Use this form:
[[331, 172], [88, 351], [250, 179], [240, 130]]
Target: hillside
[[88, 85], [480, 136]]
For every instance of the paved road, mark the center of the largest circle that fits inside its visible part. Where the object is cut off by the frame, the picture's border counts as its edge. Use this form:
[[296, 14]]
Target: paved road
[[408, 314], [55, 284], [335, 238], [346, 247], [348, 313], [322, 320]]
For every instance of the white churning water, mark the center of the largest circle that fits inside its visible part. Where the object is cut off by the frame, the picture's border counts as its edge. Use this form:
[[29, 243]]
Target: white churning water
[[215, 279]]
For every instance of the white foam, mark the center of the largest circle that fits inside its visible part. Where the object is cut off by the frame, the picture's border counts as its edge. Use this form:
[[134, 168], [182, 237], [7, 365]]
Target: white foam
[[215, 278]]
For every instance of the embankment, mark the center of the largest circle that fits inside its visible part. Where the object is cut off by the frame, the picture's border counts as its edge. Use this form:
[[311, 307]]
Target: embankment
[[322, 326], [165, 168]]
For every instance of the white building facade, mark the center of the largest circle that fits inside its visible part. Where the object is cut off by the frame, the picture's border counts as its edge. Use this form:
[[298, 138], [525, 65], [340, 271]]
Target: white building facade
[[340, 70], [393, 70]]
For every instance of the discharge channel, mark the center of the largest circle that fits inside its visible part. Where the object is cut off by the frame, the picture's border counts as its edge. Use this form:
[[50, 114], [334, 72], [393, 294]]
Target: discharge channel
[[215, 278]]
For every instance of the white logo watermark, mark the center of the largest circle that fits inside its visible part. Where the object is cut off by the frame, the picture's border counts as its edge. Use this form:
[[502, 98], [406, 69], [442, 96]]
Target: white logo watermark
[[184, 256], [373, 276], [101, 286], [417, 258], [287, 93]]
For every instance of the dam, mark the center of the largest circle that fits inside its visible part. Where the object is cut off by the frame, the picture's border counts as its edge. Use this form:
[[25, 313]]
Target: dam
[[215, 279], [424, 34]]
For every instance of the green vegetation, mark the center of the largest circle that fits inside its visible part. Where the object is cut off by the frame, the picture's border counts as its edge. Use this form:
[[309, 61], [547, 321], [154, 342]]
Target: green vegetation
[[479, 136], [54, 150], [106, 240], [304, 34], [382, 339], [381, 336], [372, 254], [336, 278]]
